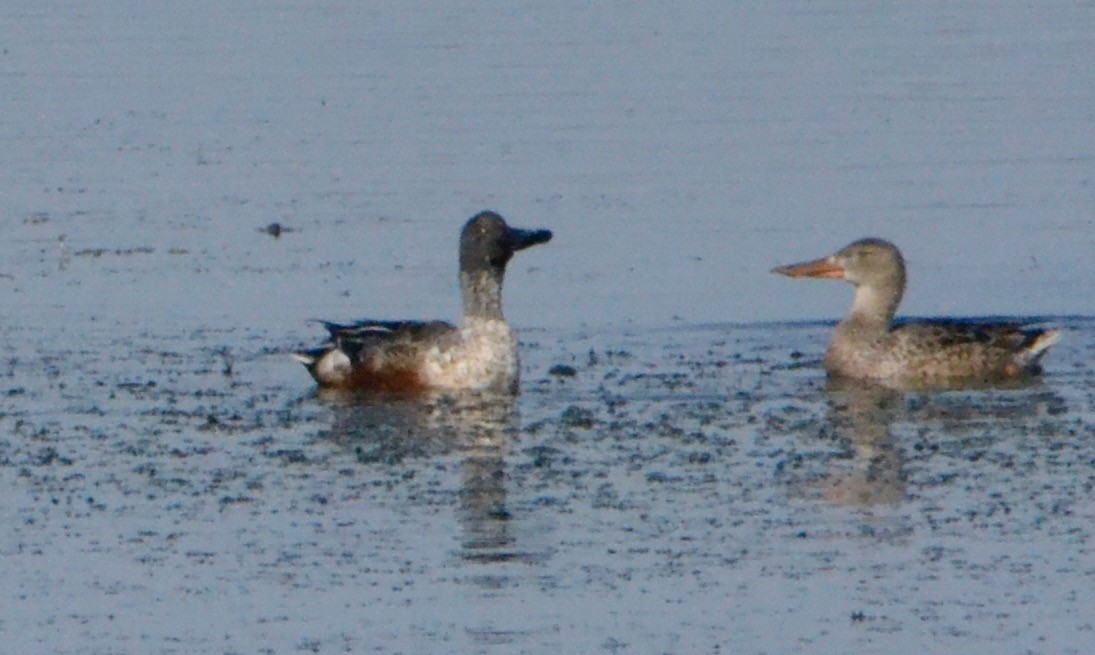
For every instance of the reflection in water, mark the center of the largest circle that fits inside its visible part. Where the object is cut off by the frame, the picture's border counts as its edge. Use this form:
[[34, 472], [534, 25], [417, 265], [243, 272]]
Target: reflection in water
[[479, 428], [388, 429], [861, 415]]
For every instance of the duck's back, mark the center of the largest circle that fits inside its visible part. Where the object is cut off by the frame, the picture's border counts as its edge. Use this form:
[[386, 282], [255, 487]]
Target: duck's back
[[386, 356], [943, 351], [417, 356]]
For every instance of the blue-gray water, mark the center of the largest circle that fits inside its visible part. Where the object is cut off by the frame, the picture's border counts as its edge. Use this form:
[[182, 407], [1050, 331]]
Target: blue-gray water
[[172, 484]]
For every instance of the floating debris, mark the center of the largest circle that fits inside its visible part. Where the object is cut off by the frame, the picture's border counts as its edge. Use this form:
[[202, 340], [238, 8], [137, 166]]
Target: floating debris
[[276, 229], [563, 371]]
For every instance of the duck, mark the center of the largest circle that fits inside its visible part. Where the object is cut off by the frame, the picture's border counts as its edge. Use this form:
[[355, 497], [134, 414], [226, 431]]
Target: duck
[[869, 345], [411, 356]]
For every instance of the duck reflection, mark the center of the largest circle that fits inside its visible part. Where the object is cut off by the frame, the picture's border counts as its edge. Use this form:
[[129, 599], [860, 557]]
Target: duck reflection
[[479, 429], [861, 416]]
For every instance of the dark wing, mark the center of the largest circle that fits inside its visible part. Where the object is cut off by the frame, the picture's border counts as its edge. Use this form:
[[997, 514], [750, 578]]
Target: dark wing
[[360, 338], [1010, 336], [387, 329]]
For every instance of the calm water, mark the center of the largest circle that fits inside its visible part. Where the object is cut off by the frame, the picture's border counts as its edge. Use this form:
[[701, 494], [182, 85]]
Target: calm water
[[172, 483]]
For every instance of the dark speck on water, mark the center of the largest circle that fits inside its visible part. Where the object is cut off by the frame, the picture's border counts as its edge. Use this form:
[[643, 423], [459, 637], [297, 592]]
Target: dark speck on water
[[275, 229], [577, 417], [563, 370]]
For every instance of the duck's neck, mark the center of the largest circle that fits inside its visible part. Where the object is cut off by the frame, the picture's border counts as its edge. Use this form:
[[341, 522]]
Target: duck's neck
[[482, 292], [874, 306]]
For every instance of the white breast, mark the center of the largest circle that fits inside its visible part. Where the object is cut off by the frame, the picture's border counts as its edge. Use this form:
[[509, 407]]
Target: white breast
[[483, 356]]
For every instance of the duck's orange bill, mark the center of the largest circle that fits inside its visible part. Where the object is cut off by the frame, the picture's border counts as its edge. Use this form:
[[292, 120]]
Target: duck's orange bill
[[817, 268]]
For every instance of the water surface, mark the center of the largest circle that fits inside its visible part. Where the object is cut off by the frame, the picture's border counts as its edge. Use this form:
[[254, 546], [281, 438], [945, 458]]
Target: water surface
[[172, 482]]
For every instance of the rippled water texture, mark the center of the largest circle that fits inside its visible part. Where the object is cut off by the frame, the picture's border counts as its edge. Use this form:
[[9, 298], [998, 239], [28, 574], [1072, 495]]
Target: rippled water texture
[[676, 475]]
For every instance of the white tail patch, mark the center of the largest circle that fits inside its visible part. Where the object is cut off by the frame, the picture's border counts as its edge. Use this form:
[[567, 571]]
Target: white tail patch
[[303, 358], [327, 367], [1044, 341], [333, 367]]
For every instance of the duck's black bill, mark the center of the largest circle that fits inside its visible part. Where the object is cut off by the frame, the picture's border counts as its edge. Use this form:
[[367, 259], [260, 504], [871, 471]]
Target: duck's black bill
[[521, 239]]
